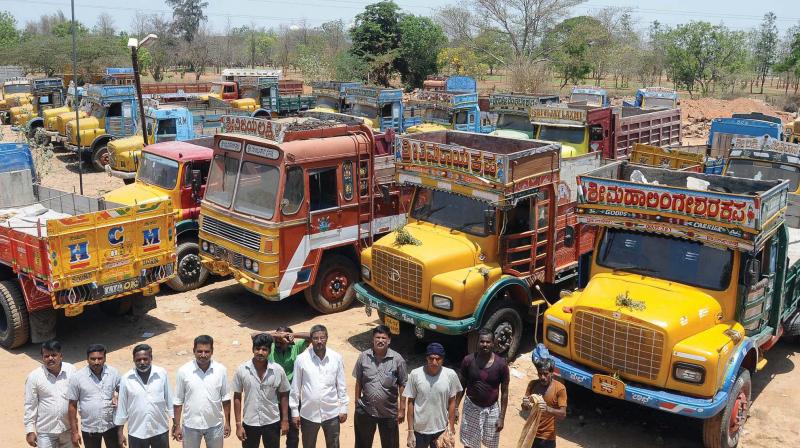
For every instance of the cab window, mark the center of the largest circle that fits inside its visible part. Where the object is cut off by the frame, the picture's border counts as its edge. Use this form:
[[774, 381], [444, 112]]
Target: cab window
[[167, 127], [322, 188], [293, 192], [196, 165]]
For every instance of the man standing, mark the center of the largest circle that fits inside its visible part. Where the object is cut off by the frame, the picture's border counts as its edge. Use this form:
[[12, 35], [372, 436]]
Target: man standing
[[93, 391], [319, 383], [264, 385], [145, 403], [380, 374], [431, 393], [284, 352], [484, 377], [202, 399], [554, 407], [46, 420]]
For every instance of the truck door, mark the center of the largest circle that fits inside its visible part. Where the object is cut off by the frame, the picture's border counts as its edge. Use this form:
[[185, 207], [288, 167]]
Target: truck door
[[120, 120], [758, 277], [525, 247], [188, 200]]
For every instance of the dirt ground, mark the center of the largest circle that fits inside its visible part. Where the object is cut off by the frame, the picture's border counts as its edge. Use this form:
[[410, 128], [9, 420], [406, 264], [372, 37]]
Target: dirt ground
[[226, 311]]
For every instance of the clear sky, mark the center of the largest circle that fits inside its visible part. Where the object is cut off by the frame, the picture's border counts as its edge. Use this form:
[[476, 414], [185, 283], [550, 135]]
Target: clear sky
[[738, 14]]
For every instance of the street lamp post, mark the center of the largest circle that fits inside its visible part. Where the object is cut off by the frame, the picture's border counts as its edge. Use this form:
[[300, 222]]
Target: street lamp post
[[134, 44], [76, 100]]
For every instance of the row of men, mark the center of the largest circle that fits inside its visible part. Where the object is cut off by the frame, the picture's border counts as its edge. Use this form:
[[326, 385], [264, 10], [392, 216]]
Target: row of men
[[286, 389]]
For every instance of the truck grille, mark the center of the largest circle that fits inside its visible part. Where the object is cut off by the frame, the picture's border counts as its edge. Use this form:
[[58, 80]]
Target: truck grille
[[236, 235], [617, 345], [397, 275]]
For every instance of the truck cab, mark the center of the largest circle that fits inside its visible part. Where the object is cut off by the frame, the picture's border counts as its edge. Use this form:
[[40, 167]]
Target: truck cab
[[791, 133], [57, 117], [654, 98], [174, 170], [454, 83], [489, 218], [382, 106], [16, 93], [570, 126], [764, 158], [589, 95], [512, 113], [46, 94], [329, 96], [754, 124], [690, 281], [432, 110]]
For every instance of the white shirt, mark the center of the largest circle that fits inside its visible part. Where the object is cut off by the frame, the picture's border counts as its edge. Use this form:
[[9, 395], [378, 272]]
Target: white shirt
[[146, 408], [319, 384], [46, 401], [261, 405], [201, 394], [94, 396]]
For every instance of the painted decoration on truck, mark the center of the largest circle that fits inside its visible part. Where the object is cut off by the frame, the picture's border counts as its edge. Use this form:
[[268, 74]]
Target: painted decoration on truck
[[500, 100], [257, 127], [557, 114], [765, 144], [480, 164]]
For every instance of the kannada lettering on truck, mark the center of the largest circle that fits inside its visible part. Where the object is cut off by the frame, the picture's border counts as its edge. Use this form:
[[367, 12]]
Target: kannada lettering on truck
[[290, 201], [692, 279], [489, 219], [765, 158]]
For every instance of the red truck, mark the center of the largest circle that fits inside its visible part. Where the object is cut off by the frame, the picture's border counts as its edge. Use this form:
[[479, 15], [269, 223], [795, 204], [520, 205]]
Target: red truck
[[175, 91]]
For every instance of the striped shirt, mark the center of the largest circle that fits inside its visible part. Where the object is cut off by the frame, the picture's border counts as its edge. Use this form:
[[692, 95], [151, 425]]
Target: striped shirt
[[46, 401]]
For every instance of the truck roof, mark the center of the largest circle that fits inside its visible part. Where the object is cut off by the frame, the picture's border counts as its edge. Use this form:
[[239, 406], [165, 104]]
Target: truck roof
[[373, 94], [519, 101], [99, 91], [181, 151], [765, 148], [334, 88], [443, 99], [736, 213], [561, 114], [488, 168]]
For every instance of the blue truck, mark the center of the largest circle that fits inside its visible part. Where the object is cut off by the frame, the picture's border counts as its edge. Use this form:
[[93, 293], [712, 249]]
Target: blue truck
[[435, 110], [16, 157], [753, 124], [382, 107], [591, 95], [451, 83], [330, 96], [654, 98]]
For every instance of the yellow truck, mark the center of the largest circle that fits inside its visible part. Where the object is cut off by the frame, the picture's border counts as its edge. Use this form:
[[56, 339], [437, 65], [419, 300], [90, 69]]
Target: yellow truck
[[492, 226], [791, 133], [62, 252], [16, 93], [693, 278]]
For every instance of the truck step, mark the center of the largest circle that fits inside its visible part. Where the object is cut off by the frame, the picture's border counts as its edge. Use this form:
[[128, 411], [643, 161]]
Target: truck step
[[761, 364]]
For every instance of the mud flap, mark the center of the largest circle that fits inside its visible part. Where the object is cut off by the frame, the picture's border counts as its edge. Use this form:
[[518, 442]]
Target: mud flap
[[143, 304], [43, 325]]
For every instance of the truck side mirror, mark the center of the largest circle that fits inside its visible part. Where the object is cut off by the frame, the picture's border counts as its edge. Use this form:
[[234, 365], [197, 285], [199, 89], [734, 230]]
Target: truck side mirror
[[569, 236], [197, 182], [489, 219], [752, 272]]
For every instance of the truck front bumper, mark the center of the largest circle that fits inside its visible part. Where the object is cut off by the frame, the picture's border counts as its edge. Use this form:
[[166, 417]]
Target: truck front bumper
[[660, 399], [76, 149], [421, 319], [119, 174]]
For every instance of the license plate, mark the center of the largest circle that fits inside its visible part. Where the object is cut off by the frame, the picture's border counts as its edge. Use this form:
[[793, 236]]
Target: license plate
[[392, 323], [606, 385], [119, 287]]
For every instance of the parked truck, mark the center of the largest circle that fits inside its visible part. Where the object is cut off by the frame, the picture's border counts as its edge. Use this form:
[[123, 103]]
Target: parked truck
[[590, 96], [263, 96], [383, 107], [754, 124], [692, 281], [62, 251], [16, 92], [688, 158], [50, 117], [176, 172], [436, 110], [308, 195], [511, 113], [654, 98], [492, 226], [612, 131], [329, 96], [455, 83], [46, 94]]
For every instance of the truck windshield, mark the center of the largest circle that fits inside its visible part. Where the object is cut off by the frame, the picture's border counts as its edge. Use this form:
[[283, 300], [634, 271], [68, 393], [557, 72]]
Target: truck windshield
[[362, 110], [16, 88], [216, 88], [515, 123], [222, 180], [669, 258], [562, 134], [453, 211], [591, 99], [657, 103], [764, 170], [258, 187], [437, 116], [327, 101], [158, 171]]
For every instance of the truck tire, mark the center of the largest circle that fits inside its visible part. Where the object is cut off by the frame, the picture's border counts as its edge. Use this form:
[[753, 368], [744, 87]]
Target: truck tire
[[723, 430], [14, 325], [117, 307], [100, 157], [190, 273], [505, 322], [333, 289]]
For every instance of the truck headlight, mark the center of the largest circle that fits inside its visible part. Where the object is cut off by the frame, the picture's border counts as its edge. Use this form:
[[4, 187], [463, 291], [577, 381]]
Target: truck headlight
[[442, 302], [557, 336], [366, 274], [212, 249], [689, 373], [255, 267], [248, 263], [204, 246]]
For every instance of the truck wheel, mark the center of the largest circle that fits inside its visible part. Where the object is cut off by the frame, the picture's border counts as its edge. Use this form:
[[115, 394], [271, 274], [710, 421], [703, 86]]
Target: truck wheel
[[505, 323], [723, 429], [117, 307], [333, 289], [14, 325], [100, 158], [190, 274], [32, 131], [40, 138]]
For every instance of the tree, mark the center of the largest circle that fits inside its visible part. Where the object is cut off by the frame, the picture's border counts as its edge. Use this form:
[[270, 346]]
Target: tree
[[568, 46], [9, 36], [187, 16], [375, 37], [104, 25], [461, 61], [64, 29], [420, 42], [492, 48], [766, 46]]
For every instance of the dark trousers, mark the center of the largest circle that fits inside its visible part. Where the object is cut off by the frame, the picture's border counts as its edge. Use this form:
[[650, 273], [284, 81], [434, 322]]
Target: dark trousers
[[426, 440], [364, 427], [270, 435], [159, 441], [93, 439], [309, 431], [543, 443], [293, 436]]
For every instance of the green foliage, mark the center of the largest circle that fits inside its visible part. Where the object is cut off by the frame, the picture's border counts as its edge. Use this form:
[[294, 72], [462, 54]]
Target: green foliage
[[569, 48], [492, 48], [349, 67], [8, 30], [403, 237], [375, 35], [766, 46], [64, 29], [461, 61], [187, 15], [420, 43], [626, 301]]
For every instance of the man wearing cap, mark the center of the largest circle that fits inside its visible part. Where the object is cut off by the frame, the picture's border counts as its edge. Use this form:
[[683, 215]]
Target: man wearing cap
[[431, 391]]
